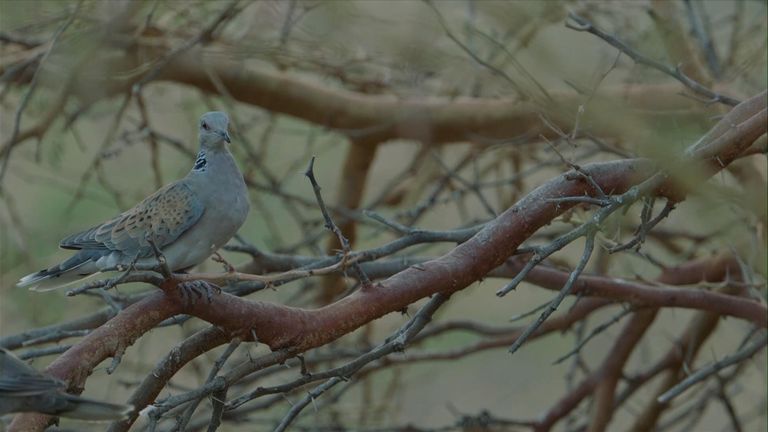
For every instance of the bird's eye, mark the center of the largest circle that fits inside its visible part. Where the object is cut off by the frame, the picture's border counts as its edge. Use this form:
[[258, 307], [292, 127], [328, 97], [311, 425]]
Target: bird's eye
[[204, 125]]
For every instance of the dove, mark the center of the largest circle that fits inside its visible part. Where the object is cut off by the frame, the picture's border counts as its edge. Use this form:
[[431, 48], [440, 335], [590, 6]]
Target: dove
[[187, 220], [23, 389]]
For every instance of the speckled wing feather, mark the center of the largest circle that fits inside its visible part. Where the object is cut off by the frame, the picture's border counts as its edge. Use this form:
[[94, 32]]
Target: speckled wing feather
[[162, 217]]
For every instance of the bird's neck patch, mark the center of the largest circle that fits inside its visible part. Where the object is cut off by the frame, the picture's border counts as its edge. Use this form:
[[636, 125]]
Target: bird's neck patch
[[200, 162]]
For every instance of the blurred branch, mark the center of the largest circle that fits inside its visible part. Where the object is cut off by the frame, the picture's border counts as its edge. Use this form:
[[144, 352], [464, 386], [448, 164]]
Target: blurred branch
[[702, 30], [610, 371], [522, 93], [25, 42], [378, 117], [5, 153], [203, 37], [679, 42], [581, 24]]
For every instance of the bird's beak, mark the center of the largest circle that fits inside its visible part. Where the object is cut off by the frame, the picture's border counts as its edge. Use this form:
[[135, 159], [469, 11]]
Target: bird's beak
[[225, 135]]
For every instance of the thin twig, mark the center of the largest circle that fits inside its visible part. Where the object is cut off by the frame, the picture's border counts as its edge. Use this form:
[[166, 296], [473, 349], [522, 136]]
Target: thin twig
[[331, 226], [183, 420], [707, 371], [310, 397], [395, 343], [644, 228], [205, 35], [595, 331], [553, 305]]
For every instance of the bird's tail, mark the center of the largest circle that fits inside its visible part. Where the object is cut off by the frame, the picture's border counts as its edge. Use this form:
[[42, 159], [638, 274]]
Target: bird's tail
[[89, 409], [72, 270]]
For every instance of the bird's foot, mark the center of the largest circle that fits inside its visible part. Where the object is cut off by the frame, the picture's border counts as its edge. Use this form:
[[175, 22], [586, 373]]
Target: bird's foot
[[192, 291]]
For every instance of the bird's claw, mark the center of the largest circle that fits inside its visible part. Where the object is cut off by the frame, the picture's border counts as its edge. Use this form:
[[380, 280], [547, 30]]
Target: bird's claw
[[196, 289]]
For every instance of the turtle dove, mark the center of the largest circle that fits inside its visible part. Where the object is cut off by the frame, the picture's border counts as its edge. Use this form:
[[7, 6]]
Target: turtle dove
[[23, 389], [188, 220]]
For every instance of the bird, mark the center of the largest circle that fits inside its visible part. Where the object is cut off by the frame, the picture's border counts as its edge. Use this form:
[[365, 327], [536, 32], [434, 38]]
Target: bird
[[24, 389], [187, 220]]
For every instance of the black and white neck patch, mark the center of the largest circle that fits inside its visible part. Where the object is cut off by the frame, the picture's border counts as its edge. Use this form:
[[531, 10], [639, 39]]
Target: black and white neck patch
[[200, 162]]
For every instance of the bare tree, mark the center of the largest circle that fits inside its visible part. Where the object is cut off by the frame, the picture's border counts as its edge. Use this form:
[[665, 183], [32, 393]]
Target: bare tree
[[601, 165]]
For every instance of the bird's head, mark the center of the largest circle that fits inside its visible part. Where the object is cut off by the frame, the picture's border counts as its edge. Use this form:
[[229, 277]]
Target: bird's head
[[213, 130]]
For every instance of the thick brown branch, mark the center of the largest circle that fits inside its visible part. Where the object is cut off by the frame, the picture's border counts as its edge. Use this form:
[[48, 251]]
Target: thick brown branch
[[431, 120], [613, 365], [155, 381], [76, 364], [644, 294]]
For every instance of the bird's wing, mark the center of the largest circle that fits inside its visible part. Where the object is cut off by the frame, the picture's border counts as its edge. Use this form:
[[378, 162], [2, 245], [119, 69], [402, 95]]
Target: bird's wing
[[162, 218], [28, 385], [17, 378]]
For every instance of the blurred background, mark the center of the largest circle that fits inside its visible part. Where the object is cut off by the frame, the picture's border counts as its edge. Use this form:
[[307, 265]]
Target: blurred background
[[99, 107]]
